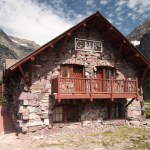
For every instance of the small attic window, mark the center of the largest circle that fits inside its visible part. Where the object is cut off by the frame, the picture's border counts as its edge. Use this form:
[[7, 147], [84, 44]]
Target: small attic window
[[88, 45]]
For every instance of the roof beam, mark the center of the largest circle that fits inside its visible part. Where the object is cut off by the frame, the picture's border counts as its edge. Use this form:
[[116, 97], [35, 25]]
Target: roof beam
[[107, 31], [119, 43], [30, 73], [93, 23], [23, 74], [65, 41], [131, 57]]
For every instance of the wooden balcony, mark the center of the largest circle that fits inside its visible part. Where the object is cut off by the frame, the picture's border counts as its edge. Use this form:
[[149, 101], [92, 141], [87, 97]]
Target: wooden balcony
[[93, 88]]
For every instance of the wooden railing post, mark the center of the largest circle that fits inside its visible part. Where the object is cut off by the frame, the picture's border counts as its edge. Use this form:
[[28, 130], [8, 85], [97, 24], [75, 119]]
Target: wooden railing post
[[124, 88], [112, 89], [58, 88], [137, 92], [91, 94]]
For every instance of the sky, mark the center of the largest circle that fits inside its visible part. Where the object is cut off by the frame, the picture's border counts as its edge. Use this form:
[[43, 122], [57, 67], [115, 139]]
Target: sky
[[43, 20]]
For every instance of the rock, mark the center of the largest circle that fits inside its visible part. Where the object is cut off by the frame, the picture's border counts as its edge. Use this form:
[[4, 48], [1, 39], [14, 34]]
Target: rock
[[50, 126], [46, 122], [34, 116], [34, 128], [86, 123], [25, 102], [25, 114], [135, 123], [24, 129], [34, 123], [61, 125]]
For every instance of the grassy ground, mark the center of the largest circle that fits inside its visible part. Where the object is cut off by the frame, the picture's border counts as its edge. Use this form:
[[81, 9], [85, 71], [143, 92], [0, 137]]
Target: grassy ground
[[147, 112], [118, 138]]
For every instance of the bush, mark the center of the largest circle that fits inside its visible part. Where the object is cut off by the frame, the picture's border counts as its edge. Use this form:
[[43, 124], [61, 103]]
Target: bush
[[2, 100], [147, 113]]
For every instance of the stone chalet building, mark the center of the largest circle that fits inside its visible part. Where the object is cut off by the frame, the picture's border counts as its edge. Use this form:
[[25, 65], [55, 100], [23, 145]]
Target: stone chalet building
[[90, 73]]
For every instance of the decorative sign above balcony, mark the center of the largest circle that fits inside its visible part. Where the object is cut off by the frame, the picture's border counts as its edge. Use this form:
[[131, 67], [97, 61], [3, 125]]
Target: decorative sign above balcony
[[88, 45]]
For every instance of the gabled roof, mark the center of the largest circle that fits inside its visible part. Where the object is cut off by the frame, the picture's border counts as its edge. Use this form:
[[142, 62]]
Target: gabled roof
[[107, 30]]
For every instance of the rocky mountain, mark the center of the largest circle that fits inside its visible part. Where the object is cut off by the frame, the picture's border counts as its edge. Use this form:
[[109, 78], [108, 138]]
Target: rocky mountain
[[140, 37], [14, 48], [144, 46], [139, 31]]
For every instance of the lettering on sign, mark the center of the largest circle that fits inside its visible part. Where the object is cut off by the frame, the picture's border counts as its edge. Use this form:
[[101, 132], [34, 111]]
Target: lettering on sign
[[88, 45]]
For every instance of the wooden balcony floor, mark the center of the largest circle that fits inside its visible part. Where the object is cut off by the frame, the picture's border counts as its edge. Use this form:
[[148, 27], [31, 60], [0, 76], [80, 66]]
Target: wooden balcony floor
[[94, 96]]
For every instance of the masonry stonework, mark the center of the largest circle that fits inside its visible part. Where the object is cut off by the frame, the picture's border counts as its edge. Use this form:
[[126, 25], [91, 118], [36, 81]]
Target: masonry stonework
[[31, 106]]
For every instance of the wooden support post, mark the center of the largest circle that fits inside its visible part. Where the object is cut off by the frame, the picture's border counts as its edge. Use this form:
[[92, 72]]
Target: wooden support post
[[91, 94], [2, 88], [124, 84], [23, 74], [112, 89], [129, 102], [31, 70], [58, 89], [137, 92]]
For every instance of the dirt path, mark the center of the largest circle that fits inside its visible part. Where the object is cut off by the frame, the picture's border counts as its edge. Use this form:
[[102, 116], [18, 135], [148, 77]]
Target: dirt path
[[100, 138]]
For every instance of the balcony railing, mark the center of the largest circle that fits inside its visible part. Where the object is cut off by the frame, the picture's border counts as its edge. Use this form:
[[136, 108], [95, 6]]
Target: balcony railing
[[93, 88]]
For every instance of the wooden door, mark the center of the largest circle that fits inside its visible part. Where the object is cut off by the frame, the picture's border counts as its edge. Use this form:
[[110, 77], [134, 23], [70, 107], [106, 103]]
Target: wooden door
[[99, 81], [74, 73], [78, 75], [72, 113]]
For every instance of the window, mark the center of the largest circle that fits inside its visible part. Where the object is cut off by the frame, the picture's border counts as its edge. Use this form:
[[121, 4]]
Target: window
[[72, 71], [65, 71], [58, 114], [66, 113], [109, 73]]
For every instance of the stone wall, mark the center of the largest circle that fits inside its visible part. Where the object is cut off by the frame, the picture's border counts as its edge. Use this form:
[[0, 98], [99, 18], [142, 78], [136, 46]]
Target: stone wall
[[135, 110], [31, 106]]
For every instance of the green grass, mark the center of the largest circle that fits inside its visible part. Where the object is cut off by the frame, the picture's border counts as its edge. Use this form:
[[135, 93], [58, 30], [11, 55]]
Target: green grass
[[3, 100], [128, 137]]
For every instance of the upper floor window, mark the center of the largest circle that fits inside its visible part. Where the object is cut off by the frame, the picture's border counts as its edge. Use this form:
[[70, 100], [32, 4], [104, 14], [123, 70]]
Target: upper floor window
[[109, 73], [105, 72], [72, 71]]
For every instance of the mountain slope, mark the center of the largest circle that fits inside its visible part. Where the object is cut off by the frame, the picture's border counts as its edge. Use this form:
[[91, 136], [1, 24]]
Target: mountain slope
[[144, 46], [139, 31], [14, 48]]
